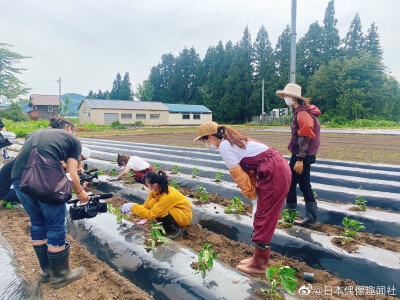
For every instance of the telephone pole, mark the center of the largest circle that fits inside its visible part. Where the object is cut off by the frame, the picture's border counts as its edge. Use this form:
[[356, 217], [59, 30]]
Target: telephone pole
[[59, 93], [292, 78]]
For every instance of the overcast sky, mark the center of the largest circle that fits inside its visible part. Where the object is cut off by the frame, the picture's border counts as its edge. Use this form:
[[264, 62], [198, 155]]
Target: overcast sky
[[88, 42]]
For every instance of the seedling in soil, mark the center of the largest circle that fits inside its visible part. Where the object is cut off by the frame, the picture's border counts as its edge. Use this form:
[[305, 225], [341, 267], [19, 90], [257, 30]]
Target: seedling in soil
[[131, 177], [156, 167], [113, 172], [315, 193], [361, 203], [195, 172], [174, 184], [350, 229], [206, 258], [117, 211], [235, 205], [100, 172], [175, 169], [289, 215], [218, 176], [157, 235], [280, 277], [203, 195]]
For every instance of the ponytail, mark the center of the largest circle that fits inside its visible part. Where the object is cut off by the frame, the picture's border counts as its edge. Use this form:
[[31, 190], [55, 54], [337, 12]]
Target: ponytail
[[159, 177], [60, 123], [231, 135]]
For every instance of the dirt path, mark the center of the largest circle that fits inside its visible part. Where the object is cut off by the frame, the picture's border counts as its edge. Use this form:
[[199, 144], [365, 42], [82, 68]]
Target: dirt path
[[353, 147], [99, 281]]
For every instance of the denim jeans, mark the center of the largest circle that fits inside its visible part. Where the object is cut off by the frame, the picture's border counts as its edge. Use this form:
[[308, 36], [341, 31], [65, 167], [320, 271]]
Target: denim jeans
[[47, 220], [302, 179]]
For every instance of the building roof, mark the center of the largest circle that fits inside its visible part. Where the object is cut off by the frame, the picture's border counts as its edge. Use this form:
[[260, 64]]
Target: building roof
[[45, 99], [187, 108], [124, 104]]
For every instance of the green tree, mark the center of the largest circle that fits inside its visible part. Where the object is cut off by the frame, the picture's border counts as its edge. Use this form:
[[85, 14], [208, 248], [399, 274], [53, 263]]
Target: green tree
[[66, 107], [354, 40], [10, 86], [114, 94], [125, 92], [145, 91], [282, 60], [372, 43], [331, 34], [14, 113]]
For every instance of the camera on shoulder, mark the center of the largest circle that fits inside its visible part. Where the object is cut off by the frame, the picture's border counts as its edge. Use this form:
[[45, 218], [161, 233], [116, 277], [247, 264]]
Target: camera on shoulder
[[89, 209], [89, 175]]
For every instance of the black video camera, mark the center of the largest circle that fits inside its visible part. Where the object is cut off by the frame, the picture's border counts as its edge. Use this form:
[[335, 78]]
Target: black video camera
[[89, 175], [89, 209]]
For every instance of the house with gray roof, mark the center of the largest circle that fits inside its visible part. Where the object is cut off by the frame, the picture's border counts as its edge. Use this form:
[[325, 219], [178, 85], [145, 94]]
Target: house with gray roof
[[44, 107], [104, 112]]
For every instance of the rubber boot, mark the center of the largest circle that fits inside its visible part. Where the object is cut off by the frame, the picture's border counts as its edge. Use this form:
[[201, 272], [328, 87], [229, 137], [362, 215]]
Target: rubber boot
[[62, 274], [311, 216], [172, 229], [259, 261], [246, 261], [292, 206], [41, 253]]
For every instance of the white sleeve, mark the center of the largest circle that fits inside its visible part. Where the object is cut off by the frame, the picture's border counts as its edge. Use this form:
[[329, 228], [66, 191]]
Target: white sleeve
[[229, 154]]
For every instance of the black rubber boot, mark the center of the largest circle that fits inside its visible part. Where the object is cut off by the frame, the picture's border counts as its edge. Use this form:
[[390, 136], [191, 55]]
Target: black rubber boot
[[62, 274], [292, 206], [41, 253], [311, 215], [172, 229]]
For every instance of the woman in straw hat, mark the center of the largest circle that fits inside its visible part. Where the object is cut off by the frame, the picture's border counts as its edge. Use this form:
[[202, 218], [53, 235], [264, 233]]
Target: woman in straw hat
[[263, 176], [304, 146]]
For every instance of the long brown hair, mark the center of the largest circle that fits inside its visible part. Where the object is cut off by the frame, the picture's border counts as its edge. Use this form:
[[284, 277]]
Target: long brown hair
[[231, 135], [122, 159]]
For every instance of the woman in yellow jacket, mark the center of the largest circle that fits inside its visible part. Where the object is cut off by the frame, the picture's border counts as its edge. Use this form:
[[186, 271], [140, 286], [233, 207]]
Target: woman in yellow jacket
[[164, 203]]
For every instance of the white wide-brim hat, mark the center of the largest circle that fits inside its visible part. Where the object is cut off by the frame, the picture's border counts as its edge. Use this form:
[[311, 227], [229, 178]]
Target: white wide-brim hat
[[291, 89]]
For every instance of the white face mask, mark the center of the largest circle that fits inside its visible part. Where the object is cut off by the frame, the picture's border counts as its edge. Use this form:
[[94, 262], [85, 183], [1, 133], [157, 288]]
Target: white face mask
[[289, 101], [210, 147]]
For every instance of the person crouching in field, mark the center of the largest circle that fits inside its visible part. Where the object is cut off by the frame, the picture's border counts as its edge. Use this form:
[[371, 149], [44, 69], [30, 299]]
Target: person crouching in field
[[164, 203], [261, 173], [138, 166]]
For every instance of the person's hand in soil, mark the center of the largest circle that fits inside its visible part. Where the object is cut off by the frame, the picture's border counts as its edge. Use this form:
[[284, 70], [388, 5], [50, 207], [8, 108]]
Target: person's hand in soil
[[298, 167], [126, 208]]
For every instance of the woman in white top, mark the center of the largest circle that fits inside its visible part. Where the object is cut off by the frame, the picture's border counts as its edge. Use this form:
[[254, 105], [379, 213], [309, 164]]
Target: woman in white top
[[138, 166], [261, 173]]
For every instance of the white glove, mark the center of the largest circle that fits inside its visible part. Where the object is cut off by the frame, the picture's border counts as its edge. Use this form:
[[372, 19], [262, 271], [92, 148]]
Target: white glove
[[112, 179], [254, 207], [126, 208]]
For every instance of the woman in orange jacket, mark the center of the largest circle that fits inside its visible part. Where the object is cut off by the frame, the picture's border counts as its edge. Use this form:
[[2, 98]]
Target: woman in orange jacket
[[164, 203], [261, 173]]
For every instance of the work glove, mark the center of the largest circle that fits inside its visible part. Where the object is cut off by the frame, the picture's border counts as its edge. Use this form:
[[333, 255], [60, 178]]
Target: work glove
[[254, 207], [113, 179], [298, 167], [142, 222], [126, 208], [244, 183]]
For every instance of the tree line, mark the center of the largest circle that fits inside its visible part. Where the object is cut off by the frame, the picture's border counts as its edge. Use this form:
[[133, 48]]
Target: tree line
[[344, 77]]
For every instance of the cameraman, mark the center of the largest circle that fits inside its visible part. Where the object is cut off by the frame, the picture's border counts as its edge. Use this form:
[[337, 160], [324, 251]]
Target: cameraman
[[48, 224], [85, 154]]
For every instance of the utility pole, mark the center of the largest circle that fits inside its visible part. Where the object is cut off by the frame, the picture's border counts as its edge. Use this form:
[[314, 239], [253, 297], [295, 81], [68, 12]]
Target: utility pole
[[262, 103], [59, 94], [292, 78]]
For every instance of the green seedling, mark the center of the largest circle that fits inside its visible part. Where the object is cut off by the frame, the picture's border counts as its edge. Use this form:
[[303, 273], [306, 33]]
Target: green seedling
[[174, 184], [131, 177], [218, 176], [113, 172], [235, 205], [315, 193], [289, 215], [117, 211], [206, 258], [195, 172], [157, 235], [156, 167], [175, 169], [361, 203], [350, 229], [203, 195], [100, 172], [280, 277]]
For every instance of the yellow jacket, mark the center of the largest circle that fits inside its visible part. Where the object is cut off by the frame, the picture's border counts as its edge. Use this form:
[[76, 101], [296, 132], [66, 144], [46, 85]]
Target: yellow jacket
[[158, 206]]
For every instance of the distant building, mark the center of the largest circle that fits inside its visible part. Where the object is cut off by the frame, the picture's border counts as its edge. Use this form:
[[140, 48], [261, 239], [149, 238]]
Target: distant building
[[104, 112], [3, 106], [44, 107]]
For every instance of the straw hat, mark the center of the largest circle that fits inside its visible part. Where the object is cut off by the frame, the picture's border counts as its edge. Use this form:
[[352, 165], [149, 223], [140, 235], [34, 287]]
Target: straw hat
[[207, 128], [86, 152], [291, 89]]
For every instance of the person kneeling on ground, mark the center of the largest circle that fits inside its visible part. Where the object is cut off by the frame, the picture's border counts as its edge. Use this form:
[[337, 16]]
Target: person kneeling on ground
[[7, 193], [164, 203], [138, 166]]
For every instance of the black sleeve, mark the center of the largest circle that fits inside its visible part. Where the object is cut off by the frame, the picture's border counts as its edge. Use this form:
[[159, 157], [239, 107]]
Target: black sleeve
[[1, 124], [76, 149]]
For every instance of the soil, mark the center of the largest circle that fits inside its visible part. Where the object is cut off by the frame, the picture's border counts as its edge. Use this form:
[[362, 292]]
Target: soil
[[231, 253], [353, 147], [99, 282]]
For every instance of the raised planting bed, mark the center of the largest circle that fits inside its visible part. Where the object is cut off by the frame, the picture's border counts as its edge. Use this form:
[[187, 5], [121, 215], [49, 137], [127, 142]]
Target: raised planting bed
[[368, 266]]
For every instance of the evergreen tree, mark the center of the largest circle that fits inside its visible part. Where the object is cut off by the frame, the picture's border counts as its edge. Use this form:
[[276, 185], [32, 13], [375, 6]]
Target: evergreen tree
[[66, 106], [166, 69], [331, 34], [145, 91], [156, 83], [14, 113], [354, 39], [116, 88], [282, 63], [372, 43], [125, 92]]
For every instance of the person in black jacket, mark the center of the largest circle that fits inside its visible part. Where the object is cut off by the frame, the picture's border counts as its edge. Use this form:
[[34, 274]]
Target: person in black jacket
[[6, 193]]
